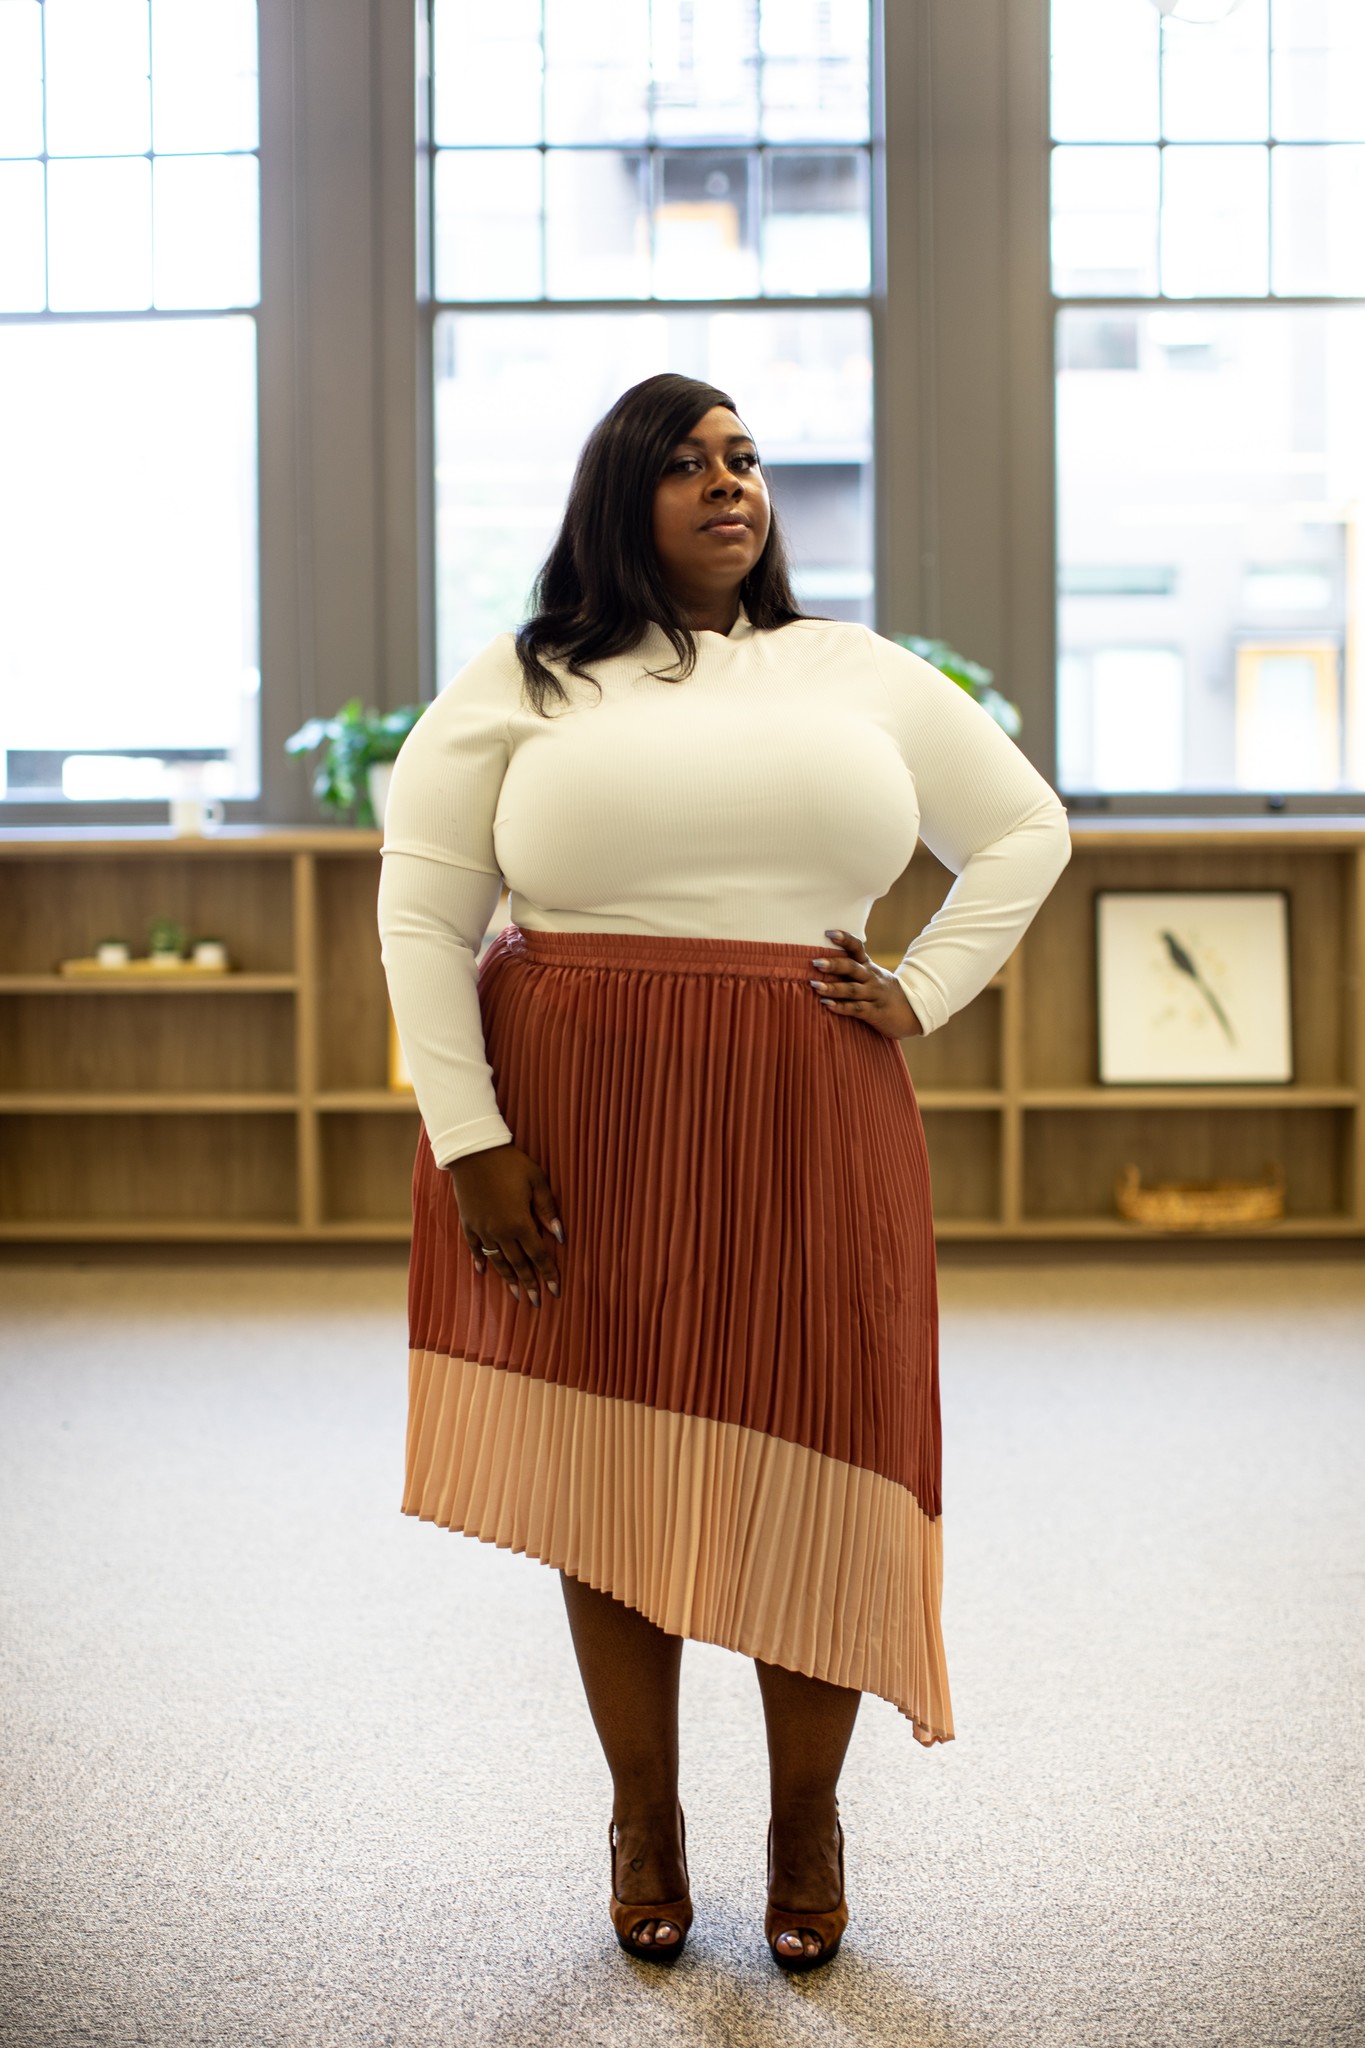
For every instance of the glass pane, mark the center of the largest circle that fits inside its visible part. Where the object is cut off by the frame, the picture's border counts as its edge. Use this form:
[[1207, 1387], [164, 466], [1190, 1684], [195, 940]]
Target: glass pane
[[99, 234], [98, 91], [516, 395], [488, 224], [1137, 717], [815, 70], [21, 78], [206, 236], [23, 277], [1288, 724], [815, 228], [488, 72], [1104, 220], [705, 69], [1211, 502], [596, 71], [1317, 240], [128, 541], [1318, 70], [1215, 222], [204, 84], [1215, 77], [596, 224], [1105, 57], [705, 246]]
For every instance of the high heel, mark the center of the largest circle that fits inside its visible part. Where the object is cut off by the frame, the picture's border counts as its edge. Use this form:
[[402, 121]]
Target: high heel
[[625, 1918], [827, 1927]]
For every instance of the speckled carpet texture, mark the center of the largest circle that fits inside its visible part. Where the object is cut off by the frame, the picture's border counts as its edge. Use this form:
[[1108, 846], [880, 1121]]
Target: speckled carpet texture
[[286, 1769]]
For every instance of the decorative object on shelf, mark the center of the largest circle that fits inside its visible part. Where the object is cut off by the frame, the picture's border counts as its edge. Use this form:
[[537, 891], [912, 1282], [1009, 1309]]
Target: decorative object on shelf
[[112, 953], [166, 941], [354, 742], [193, 817], [1193, 987], [1200, 1204], [209, 953], [978, 682], [164, 968], [400, 1080]]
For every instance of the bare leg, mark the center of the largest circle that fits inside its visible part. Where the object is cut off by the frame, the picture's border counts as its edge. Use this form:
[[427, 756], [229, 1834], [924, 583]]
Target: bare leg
[[630, 1674], [809, 1725]]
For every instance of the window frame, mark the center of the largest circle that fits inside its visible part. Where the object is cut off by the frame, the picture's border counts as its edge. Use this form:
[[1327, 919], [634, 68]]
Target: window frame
[[431, 307], [1242, 802], [964, 393], [17, 811]]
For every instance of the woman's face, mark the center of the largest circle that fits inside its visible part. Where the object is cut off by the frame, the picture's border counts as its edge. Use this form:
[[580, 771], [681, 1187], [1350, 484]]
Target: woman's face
[[711, 511]]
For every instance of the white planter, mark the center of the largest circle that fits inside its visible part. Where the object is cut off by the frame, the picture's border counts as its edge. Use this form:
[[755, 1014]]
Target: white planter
[[378, 777]]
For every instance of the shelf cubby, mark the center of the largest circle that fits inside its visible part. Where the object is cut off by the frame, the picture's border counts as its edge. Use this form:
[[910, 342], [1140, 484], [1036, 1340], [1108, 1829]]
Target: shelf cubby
[[150, 1175], [148, 1044], [964, 1165], [366, 1161]]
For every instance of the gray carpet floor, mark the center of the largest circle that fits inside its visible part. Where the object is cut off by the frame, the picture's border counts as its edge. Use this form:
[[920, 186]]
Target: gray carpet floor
[[282, 1767]]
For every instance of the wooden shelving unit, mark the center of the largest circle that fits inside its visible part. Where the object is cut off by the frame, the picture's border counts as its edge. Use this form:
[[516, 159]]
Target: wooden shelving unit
[[254, 1107]]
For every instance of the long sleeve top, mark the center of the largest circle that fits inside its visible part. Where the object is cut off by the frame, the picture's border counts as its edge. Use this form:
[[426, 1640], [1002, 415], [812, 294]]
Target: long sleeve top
[[773, 794]]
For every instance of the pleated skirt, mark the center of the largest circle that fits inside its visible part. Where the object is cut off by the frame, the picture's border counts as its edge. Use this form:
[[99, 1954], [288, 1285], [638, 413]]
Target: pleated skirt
[[729, 1417]]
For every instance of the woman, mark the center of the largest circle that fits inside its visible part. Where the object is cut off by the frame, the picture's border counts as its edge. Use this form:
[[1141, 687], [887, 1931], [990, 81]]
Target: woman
[[672, 1295]]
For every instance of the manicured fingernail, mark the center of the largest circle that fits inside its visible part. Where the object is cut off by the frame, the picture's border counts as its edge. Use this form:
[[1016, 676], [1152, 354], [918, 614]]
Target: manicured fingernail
[[533, 1297], [817, 984], [834, 935], [553, 1286], [478, 1265], [516, 1294], [558, 1229]]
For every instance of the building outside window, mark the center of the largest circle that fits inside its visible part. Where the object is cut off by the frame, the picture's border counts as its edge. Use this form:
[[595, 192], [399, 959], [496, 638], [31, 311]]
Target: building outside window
[[626, 188], [1208, 271], [129, 268]]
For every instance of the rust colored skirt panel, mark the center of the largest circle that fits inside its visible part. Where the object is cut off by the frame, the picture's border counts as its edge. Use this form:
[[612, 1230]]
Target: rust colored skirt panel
[[729, 1417]]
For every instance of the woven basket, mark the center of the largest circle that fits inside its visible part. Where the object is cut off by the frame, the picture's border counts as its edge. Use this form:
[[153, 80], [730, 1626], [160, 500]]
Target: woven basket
[[1200, 1205]]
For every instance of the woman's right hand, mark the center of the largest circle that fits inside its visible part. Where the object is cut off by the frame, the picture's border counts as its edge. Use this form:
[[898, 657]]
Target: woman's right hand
[[505, 1200]]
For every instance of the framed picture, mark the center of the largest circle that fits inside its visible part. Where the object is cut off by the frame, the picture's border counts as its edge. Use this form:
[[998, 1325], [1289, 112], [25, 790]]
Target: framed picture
[[1193, 988]]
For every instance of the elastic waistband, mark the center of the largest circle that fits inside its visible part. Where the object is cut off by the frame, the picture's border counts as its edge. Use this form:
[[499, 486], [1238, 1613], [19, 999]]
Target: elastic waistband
[[657, 953]]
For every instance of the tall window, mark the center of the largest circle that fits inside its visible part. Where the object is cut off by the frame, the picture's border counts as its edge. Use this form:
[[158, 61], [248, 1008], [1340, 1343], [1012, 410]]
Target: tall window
[[1208, 270], [634, 186], [129, 255]]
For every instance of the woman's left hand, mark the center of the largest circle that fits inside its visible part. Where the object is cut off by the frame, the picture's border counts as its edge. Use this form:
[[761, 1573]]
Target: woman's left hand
[[851, 985]]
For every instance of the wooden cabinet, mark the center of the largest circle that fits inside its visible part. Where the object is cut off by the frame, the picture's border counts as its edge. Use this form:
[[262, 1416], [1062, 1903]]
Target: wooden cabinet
[[256, 1105], [249, 1105], [1025, 1142]]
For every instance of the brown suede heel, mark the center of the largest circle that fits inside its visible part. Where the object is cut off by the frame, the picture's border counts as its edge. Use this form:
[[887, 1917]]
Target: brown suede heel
[[827, 1927], [626, 1918]]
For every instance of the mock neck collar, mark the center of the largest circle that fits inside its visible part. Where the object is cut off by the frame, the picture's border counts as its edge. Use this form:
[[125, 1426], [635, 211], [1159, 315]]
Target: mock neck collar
[[655, 646]]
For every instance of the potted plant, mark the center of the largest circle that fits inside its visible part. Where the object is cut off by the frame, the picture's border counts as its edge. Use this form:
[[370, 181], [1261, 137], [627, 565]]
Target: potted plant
[[359, 748], [978, 682], [166, 942]]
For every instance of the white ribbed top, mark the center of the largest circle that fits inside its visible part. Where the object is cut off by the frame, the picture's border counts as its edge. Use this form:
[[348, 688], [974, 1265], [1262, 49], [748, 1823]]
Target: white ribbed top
[[774, 794]]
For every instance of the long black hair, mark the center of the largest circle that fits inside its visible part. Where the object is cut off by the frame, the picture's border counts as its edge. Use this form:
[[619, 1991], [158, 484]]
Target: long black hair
[[601, 585]]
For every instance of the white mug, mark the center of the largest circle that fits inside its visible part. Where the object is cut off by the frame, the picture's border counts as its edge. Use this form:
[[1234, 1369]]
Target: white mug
[[193, 816]]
